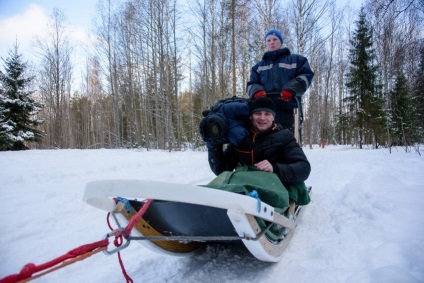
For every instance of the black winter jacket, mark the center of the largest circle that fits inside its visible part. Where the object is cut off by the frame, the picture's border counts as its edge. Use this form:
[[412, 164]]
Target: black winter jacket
[[280, 70], [277, 145]]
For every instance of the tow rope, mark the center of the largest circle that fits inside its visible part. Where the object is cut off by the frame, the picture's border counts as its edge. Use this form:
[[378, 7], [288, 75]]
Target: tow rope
[[28, 272], [72, 256]]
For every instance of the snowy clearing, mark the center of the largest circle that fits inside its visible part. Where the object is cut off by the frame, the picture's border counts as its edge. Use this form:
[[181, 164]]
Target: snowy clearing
[[364, 223]]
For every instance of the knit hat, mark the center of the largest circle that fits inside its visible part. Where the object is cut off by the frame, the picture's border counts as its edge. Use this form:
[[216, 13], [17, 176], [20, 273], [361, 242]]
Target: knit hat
[[262, 104], [276, 33]]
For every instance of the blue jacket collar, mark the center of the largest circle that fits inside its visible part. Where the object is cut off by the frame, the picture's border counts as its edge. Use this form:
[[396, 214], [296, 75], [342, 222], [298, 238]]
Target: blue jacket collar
[[272, 55]]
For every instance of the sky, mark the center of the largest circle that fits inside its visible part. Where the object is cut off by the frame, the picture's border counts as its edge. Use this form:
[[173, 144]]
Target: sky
[[23, 20], [364, 224]]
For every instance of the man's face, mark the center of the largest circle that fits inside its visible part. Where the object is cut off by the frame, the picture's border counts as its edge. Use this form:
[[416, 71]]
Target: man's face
[[262, 121], [272, 43]]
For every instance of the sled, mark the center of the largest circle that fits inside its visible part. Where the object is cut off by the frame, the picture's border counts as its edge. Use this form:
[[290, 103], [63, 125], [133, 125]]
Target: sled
[[245, 205], [184, 218]]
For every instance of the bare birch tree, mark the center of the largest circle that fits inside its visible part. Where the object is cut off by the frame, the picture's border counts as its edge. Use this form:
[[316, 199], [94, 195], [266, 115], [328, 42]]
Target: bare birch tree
[[132, 95], [54, 80], [107, 53]]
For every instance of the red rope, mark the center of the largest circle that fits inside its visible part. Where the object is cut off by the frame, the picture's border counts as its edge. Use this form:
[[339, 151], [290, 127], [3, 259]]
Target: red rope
[[108, 221], [136, 218], [30, 269], [119, 238], [118, 242], [83, 251], [124, 272]]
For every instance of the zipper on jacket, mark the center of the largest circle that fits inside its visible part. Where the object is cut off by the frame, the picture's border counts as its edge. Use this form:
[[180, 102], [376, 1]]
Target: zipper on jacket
[[252, 156]]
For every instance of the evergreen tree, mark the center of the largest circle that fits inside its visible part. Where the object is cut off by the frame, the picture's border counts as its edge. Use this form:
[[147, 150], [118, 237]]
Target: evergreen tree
[[418, 96], [402, 125], [363, 101], [16, 105]]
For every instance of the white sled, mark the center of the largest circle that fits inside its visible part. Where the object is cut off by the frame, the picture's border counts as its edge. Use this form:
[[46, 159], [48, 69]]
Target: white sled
[[182, 218]]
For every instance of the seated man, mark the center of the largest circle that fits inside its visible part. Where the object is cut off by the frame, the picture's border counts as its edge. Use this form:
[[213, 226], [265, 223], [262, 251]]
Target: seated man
[[270, 148]]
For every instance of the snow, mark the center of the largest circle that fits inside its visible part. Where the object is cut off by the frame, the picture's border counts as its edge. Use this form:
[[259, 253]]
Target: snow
[[364, 223]]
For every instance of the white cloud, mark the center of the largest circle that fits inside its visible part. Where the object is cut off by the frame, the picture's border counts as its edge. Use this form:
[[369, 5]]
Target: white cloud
[[32, 22], [22, 27]]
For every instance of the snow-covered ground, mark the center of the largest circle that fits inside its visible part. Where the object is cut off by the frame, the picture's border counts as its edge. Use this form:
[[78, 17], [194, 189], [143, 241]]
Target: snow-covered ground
[[365, 222]]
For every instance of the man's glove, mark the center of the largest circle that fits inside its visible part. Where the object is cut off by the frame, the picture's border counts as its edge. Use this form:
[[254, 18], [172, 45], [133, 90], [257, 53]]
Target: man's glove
[[259, 94], [286, 95]]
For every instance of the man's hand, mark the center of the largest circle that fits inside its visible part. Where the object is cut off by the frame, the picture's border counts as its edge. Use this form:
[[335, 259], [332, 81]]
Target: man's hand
[[286, 95], [264, 165], [259, 94]]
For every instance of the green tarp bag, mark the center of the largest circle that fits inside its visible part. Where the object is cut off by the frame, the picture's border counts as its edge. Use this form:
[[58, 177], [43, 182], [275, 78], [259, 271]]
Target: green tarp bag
[[268, 185], [299, 193], [246, 179]]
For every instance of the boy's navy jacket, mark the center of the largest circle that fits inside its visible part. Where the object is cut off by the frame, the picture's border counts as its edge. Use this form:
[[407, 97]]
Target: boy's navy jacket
[[280, 70]]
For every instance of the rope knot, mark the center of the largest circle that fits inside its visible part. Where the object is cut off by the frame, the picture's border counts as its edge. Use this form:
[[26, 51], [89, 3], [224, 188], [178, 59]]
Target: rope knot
[[28, 270]]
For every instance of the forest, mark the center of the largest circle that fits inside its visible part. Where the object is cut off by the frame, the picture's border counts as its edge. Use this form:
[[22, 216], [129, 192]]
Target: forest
[[153, 66]]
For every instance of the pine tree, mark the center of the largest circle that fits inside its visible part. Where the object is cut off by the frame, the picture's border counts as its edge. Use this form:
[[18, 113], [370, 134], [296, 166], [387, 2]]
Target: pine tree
[[364, 103], [16, 105], [401, 111], [418, 96]]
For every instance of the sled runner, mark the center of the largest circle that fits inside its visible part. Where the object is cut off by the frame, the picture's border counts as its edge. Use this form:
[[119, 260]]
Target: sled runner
[[183, 218]]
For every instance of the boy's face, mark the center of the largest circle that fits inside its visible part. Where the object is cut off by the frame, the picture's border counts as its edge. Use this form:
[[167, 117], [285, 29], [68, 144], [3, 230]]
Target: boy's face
[[272, 43]]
